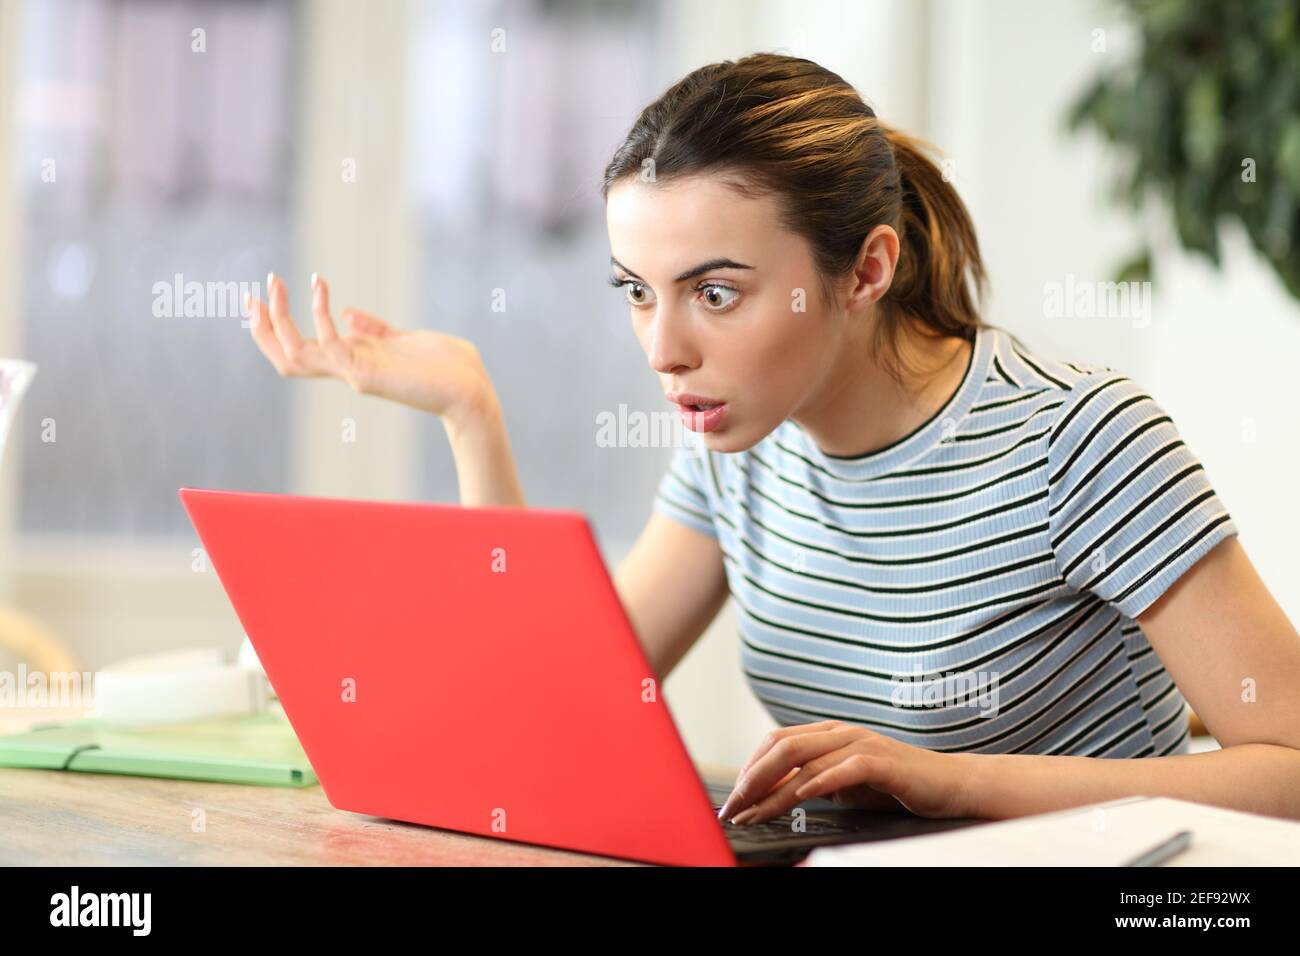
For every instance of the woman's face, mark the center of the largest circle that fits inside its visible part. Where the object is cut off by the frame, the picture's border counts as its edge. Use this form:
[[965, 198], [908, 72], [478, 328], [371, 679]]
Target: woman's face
[[726, 304]]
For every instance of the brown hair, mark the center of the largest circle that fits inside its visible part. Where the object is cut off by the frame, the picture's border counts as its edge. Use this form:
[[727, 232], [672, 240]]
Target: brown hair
[[783, 125]]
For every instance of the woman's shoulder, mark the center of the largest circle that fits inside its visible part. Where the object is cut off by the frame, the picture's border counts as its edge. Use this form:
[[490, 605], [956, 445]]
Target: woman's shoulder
[[1081, 394], [1017, 365]]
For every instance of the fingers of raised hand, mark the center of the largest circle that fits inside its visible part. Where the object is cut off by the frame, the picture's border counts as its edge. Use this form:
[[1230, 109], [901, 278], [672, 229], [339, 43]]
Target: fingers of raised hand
[[335, 349], [278, 338], [260, 322], [291, 343]]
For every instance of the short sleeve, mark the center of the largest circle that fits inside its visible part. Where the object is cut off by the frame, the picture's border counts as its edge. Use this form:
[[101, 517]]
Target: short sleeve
[[682, 492], [1130, 508]]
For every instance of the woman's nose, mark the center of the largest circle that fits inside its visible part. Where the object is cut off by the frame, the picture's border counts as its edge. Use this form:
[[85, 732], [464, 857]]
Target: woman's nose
[[670, 347]]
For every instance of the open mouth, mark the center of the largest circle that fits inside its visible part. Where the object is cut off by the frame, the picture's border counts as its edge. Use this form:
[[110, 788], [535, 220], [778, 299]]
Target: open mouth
[[699, 413], [701, 417]]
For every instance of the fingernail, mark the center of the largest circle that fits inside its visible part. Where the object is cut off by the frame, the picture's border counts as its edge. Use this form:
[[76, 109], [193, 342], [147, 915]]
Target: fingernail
[[314, 280], [726, 805], [741, 819], [270, 280], [801, 790]]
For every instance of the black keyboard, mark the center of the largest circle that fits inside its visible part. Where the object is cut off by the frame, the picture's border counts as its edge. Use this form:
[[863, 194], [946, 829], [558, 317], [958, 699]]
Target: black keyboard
[[780, 828]]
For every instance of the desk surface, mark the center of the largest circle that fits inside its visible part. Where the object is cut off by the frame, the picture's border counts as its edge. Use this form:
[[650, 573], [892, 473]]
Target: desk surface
[[57, 818]]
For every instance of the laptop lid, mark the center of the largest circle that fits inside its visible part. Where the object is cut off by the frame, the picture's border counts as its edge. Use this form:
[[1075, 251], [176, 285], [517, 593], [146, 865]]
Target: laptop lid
[[465, 668]]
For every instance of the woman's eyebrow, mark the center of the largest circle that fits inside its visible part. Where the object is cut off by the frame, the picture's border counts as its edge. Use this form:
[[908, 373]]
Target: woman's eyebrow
[[722, 263]]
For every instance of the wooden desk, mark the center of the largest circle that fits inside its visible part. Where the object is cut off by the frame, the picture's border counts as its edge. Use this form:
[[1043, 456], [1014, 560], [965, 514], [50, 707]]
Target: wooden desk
[[58, 818]]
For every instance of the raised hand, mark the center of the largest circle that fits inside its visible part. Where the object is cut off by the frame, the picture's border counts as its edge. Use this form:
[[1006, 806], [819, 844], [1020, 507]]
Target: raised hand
[[424, 369]]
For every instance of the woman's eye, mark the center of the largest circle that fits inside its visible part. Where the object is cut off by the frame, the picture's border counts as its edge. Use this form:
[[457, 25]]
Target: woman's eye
[[638, 293], [718, 297]]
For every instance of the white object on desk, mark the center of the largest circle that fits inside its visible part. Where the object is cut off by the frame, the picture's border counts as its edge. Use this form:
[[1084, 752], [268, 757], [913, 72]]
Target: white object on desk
[[177, 687], [1102, 834]]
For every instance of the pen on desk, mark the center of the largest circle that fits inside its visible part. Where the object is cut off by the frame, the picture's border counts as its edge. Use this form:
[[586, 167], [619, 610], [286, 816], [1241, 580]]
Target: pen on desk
[[1163, 851]]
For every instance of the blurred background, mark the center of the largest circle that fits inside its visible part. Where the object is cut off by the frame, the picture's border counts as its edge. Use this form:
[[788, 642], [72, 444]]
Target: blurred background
[[423, 156]]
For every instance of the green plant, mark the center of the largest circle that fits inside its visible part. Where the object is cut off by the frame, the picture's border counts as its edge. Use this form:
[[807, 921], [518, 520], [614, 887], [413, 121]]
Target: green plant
[[1207, 119]]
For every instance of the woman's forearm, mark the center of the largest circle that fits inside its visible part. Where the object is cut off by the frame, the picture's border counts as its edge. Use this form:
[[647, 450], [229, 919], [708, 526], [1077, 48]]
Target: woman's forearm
[[1258, 778], [485, 466]]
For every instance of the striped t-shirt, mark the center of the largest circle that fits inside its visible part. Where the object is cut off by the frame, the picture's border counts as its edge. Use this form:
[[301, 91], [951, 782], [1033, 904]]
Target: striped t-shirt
[[972, 586]]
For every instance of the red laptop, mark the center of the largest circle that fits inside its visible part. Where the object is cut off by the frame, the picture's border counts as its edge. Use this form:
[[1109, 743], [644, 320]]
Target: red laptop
[[473, 669]]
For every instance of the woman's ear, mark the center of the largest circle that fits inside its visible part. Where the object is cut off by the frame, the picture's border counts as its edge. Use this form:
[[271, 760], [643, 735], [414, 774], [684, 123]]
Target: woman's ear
[[873, 270]]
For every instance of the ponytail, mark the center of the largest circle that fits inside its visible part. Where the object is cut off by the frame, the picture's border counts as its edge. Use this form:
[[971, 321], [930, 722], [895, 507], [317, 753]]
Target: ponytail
[[939, 284], [940, 275]]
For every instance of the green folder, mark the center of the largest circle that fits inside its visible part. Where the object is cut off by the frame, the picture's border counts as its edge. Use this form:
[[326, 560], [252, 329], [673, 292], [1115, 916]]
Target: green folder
[[259, 749]]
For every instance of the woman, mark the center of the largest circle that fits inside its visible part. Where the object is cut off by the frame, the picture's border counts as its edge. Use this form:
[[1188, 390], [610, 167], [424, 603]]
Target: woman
[[963, 571]]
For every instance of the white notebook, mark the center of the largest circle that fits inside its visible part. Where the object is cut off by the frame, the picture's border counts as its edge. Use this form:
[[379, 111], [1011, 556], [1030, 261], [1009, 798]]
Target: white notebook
[[1102, 834]]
